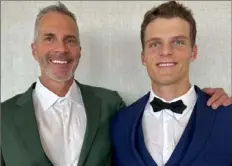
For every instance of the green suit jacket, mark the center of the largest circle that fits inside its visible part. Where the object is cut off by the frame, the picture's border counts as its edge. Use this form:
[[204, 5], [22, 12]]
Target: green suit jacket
[[21, 144]]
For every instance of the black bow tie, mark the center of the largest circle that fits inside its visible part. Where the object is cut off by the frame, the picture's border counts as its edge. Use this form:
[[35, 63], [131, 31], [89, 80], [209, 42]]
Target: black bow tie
[[176, 107]]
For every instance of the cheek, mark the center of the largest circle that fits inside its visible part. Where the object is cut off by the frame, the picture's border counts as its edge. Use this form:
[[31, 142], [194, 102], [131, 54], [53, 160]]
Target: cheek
[[153, 51], [183, 55], [75, 52], [187, 60], [76, 57], [151, 63], [42, 50], [184, 62], [151, 55], [43, 60]]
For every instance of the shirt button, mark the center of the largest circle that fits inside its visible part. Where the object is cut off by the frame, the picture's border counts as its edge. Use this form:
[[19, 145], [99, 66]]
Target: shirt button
[[66, 115]]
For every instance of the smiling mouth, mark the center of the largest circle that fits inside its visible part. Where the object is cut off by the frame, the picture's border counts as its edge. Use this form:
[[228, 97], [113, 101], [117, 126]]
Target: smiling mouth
[[59, 62], [166, 64]]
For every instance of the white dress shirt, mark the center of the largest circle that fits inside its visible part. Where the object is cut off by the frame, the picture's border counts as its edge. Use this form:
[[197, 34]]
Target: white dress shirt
[[162, 130], [61, 122]]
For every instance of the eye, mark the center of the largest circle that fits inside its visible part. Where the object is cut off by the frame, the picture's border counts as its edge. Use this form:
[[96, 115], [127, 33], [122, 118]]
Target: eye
[[154, 44], [179, 42], [71, 41], [48, 38]]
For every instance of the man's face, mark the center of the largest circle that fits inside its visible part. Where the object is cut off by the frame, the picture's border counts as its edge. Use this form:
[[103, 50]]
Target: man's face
[[167, 51], [56, 48]]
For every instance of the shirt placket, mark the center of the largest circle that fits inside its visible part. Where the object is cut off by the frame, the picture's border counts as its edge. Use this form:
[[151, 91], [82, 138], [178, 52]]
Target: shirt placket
[[65, 118]]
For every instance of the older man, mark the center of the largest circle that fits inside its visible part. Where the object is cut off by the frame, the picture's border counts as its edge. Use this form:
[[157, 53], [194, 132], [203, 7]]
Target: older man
[[58, 121]]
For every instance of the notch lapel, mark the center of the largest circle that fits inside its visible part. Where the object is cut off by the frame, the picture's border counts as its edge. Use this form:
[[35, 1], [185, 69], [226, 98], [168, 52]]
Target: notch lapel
[[93, 111], [26, 124]]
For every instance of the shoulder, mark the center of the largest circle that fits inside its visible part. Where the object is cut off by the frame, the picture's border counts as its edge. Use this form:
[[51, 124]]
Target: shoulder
[[104, 94], [225, 111], [110, 100], [100, 91], [203, 98], [8, 108], [131, 111], [10, 103]]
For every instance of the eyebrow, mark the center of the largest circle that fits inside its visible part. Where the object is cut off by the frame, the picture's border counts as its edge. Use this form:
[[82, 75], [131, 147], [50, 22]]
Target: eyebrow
[[174, 37], [180, 37], [65, 37], [49, 34], [70, 36]]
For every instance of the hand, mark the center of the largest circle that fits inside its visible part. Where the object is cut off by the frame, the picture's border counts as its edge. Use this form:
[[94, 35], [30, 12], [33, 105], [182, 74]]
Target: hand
[[218, 97]]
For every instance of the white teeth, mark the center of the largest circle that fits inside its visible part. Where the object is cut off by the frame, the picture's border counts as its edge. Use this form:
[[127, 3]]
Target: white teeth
[[59, 62], [166, 64]]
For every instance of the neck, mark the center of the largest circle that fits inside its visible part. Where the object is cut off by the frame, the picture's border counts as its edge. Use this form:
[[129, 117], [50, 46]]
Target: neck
[[59, 88], [170, 92]]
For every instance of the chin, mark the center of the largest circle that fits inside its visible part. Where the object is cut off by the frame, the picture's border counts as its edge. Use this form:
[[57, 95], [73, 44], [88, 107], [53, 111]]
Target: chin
[[62, 78], [165, 82]]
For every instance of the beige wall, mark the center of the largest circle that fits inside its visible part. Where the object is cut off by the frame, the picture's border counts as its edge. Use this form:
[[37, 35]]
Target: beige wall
[[111, 45]]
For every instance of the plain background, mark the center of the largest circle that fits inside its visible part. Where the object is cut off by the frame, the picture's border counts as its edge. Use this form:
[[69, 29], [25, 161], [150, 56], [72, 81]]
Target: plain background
[[110, 39]]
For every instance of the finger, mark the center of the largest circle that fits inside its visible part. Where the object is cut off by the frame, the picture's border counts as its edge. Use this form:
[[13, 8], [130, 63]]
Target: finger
[[209, 91], [219, 101], [215, 96], [227, 102]]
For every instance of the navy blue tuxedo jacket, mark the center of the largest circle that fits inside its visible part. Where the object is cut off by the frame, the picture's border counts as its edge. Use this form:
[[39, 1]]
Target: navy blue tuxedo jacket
[[206, 140]]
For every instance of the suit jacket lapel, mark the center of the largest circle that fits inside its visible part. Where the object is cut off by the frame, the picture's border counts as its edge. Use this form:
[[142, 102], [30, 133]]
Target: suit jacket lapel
[[204, 122], [136, 120], [93, 110], [26, 124]]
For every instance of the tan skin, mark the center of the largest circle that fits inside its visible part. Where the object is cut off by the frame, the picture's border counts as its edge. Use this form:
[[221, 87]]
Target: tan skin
[[167, 55], [57, 51]]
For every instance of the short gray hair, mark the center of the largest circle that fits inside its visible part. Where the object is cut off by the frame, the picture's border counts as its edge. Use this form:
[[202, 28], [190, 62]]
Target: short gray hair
[[60, 8]]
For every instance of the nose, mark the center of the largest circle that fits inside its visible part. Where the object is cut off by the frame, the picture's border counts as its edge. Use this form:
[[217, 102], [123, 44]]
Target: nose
[[61, 47], [166, 50]]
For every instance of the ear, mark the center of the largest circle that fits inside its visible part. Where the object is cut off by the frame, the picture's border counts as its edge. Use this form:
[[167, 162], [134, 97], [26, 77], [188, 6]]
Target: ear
[[143, 59], [194, 52], [34, 51]]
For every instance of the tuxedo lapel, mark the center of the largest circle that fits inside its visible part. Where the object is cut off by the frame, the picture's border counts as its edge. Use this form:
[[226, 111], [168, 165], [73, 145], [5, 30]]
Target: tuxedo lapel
[[204, 122], [26, 125], [136, 117], [93, 109]]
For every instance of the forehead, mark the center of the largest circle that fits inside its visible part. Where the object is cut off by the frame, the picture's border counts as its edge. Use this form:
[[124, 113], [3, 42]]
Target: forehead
[[162, 27], [54, 22]]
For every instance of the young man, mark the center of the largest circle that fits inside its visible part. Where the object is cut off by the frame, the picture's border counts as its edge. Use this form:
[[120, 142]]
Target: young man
[[172, 124]]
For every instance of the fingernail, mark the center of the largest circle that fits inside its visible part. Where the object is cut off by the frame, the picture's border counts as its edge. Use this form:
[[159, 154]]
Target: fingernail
[[214, 107]]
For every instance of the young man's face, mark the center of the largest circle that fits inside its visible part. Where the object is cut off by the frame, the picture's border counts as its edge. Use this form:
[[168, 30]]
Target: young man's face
[[167, 50], [56, 48]]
